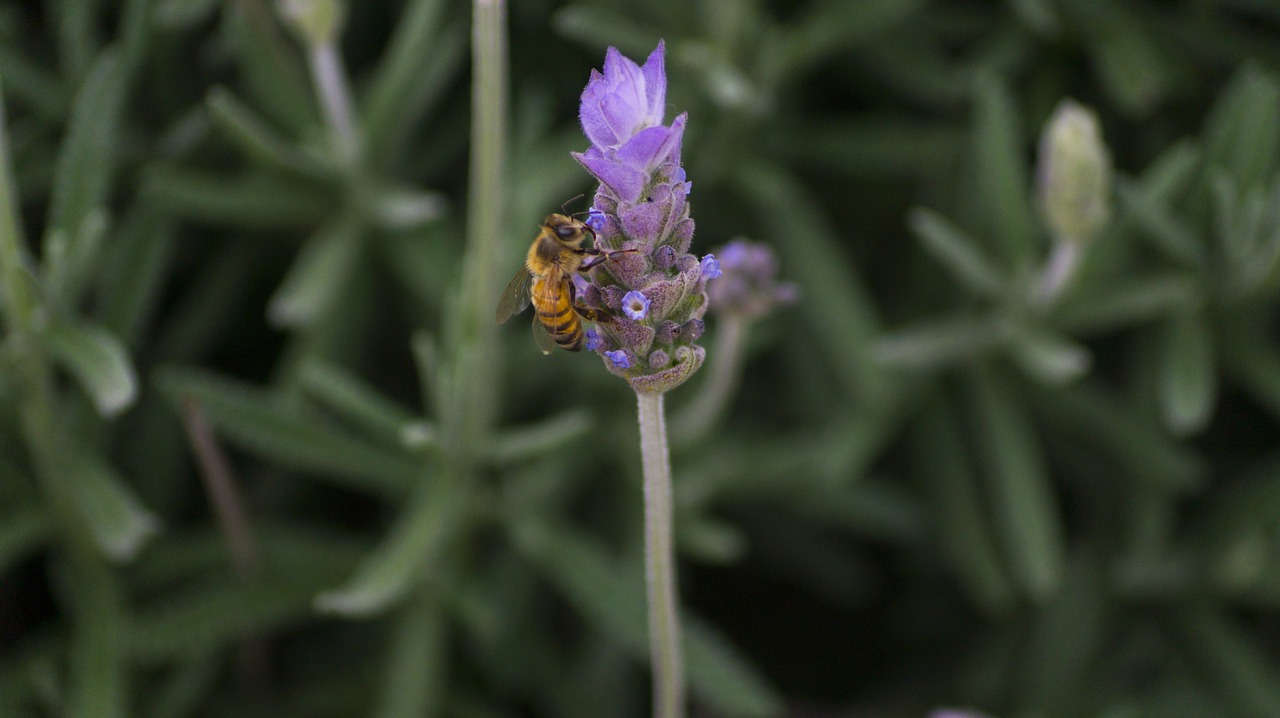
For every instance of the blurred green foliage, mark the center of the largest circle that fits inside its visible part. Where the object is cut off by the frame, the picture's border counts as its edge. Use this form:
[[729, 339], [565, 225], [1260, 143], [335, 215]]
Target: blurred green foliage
[[263, 454]]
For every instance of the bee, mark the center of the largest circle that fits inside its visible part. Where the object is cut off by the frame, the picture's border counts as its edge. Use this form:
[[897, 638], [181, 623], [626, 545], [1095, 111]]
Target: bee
[[555, 256]]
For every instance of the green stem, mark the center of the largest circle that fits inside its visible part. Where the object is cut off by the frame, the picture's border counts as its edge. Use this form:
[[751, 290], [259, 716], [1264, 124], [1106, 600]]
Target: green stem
[[716, 392], [476, 336], [660, 561]]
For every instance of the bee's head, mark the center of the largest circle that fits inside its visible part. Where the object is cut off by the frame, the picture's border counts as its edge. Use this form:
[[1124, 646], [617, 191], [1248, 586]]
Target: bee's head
[[567, 230]]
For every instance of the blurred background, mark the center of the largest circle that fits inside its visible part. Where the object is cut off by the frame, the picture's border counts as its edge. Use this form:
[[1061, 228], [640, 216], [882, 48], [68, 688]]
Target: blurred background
[[1004, 439]]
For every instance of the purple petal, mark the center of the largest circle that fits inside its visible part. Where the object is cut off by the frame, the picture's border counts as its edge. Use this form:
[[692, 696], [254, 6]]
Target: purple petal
[[622, 114], [592, 117], [655, 82], [619, 358], [647, 148], [626, 183]]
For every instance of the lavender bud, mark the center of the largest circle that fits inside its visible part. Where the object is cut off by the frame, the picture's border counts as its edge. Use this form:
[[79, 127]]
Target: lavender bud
[[692, 329], [658, 359], [1074, 174], [747, 284], [664, 258], [667, 332]]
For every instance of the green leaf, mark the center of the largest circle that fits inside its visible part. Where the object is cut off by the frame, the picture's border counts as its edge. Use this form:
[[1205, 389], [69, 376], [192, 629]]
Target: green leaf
[[964, 535], [416, 672], [114, 515], [98, 361], [1253, 361], [845, 323], [599, 27], [1021, 493], [722, 677], [1229, 657], [1137, 300], [1134, 442], [283, 432], [1001, 171], [1066, 637], [939, 342], [542, 437], [133, 274], [1242, 134], [351, 397], [1168, 234], [206, 618], [318, 276], [422, 58], [244, 201], [958, 253], [255, 136], [1050, 357], [1125, 56], [828, 29], [270, 65], [21, 534], [1189, 374], [872, 148], [86, 158], [612, 601], [405, 557], [182, 14]]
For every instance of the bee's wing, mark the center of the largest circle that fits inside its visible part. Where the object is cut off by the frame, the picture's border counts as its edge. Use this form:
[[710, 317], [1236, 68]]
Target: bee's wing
[[516, 298], [546, 343]]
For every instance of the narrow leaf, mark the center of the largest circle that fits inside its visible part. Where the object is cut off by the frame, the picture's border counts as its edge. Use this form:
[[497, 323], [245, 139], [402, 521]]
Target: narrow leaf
[[1002, 175], [722, 677], [86, 158], [1230, 657], [958, 253], [415, 676], [1189, 375], [547, 435], [422, 58], [256, 138], [964, 535], [1167, 233], [939, 342], [114, 515], [283, 432], [350, 396], [404, 558], [318, 276], [21, 534], [98, 361], [1050, 357], [1243, 131], [1022, 495], [245, 201]]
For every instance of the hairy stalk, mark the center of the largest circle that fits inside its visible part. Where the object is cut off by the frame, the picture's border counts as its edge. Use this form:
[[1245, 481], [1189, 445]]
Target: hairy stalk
[[98, 681], [716, 392], [660, 561], [485, 206], [335, 96], [1058, 271]]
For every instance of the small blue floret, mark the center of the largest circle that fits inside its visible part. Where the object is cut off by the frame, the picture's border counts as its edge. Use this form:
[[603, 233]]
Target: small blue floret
[[635, 305], [710, 267], [595, 219], [595, 342], [619, 358]]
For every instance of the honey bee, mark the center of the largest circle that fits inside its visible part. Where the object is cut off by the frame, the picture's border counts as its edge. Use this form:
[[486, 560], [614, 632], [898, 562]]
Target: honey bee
[[554, 257]]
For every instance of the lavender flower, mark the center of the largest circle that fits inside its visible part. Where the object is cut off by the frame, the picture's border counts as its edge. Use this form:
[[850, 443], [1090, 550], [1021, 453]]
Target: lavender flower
[[619, 358], [641, 205], [635, 305], [748, 286]]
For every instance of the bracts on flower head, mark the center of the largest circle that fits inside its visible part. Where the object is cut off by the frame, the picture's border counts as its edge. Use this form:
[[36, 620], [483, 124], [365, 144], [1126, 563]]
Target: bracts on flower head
[[657, 293]]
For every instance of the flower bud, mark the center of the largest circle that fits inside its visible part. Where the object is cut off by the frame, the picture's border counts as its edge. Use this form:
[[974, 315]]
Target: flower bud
[[1074, 174], [316, 22]]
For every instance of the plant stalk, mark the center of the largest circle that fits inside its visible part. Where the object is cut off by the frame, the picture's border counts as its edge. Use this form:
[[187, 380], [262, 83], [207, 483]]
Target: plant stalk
[[717, 391], [660, 561], [335, 96]]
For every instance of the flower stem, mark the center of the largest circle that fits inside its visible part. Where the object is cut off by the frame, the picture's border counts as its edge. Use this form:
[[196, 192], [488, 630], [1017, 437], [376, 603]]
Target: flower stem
[[331, 84], [715, 393], [660, 561], [1059, 270]]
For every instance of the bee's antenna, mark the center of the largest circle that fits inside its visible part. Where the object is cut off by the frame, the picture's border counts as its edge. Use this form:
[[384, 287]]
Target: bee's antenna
[[565, 207]]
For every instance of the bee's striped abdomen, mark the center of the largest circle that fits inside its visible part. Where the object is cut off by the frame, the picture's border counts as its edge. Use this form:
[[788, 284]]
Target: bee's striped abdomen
[[557, 315]]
